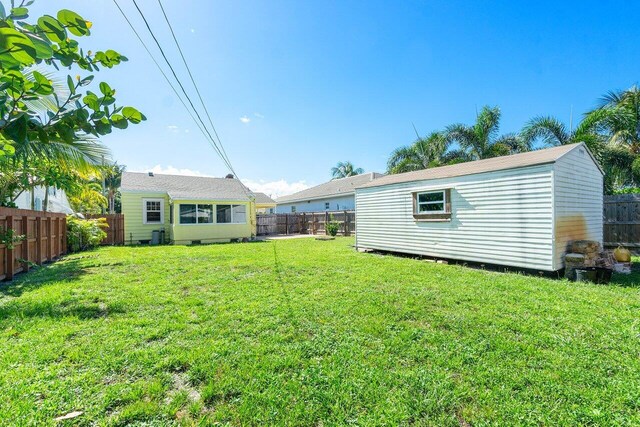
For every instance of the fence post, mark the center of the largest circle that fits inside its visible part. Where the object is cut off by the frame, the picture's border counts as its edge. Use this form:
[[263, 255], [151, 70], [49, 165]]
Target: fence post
[[39, 240], [9, 249], [303, 227], [346, 223], [50, 240], [286, 223], [25, 242], [326, 221]]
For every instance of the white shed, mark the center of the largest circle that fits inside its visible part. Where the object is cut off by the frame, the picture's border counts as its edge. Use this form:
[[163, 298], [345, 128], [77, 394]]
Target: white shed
[[519, 210]]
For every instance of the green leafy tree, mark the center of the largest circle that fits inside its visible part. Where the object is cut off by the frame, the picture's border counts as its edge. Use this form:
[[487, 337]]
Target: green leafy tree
[[482, 140], [41, 120], [345, 169]]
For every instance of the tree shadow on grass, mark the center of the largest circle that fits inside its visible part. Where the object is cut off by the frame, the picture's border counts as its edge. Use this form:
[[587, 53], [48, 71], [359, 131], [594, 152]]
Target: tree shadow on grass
[[83, 310], [64, 270]]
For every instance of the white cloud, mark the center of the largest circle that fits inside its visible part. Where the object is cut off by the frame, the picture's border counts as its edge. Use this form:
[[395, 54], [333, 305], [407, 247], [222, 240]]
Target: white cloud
[[193, 30], [245, 119], [275, 188], [173, 128], [258, 115], [170, 170]]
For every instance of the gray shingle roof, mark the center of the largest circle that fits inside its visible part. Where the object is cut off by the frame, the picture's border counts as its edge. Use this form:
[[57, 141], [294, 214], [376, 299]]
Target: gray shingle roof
[[180, 187], [531, 158], [263, 199], [336, 187]]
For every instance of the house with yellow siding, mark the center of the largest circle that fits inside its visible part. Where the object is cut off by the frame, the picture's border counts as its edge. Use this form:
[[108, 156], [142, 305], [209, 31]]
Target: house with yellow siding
[[186, 209]]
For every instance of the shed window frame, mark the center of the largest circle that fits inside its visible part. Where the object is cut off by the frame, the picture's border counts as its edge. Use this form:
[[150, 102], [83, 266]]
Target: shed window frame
[[145, 211], [432, 216]]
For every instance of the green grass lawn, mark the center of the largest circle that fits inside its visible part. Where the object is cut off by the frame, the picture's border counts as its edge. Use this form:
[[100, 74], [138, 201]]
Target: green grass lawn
[[303, 332]]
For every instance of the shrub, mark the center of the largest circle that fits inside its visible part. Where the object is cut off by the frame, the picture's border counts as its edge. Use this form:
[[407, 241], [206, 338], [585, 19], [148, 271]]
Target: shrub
[[83, 234], [332, 227]]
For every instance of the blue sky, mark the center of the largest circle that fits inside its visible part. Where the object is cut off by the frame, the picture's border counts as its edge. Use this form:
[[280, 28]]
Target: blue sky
[[296, 86]]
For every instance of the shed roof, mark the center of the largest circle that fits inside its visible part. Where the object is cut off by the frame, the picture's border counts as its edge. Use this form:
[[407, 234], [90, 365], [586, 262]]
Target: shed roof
[[335, 187], [181, 187], [514, 161], [263, 199]]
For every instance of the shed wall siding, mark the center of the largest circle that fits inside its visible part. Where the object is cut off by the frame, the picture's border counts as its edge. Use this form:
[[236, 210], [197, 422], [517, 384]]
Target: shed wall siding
[[318, 205], [134, 228], [502, 217], [578, 201]]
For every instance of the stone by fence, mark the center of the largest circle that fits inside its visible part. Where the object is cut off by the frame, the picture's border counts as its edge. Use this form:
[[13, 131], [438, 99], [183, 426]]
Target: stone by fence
[[29, 237]]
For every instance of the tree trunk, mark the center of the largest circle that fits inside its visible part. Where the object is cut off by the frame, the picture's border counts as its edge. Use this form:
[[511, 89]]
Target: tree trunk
[[45, 202]]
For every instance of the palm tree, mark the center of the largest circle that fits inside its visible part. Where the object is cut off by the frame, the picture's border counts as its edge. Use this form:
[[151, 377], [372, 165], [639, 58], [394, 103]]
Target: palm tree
[[345, 169], [552, 132], [482, 139], [617, 120], [425, 152], [619, 115], [112, 177]]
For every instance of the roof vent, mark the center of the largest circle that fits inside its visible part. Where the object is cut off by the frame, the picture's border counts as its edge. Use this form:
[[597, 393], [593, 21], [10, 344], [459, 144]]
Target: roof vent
[[229, 176], [150, 173]]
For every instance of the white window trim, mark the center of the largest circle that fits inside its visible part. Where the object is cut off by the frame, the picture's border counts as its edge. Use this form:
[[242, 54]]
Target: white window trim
[[443, 202], [144, 211], [215, 214]]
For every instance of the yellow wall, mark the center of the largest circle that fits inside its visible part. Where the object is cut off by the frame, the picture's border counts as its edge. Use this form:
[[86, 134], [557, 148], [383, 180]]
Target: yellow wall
[[209, 233], [132, 208]]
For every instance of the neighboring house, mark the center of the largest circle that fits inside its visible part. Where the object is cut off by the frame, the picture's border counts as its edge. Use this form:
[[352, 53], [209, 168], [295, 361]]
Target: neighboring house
[[57, 201], [188, 209], [520, 210], [264, 204], [335, 195]]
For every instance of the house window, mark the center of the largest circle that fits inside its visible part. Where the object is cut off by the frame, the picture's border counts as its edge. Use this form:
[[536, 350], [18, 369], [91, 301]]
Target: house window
[[153, 211], [205, 214], [431, 202], [293, 209], [239, 214], [432, 205], [223, 214], [196, 214], [188, 214], [231, 214], [326, 206]]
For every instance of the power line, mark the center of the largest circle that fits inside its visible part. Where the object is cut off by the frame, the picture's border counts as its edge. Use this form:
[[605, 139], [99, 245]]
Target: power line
[[155, 39], [160, 69], [184, 61]]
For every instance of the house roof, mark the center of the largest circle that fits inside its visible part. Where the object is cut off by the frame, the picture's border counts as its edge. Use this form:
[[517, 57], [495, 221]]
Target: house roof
[[263, 199], [180, 187], [514, 161], [335, 187]]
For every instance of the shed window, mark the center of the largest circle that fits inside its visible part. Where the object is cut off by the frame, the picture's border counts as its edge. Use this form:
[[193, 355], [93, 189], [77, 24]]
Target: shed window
[[434, 205], [431, 202], [326, 206], [153, 211]]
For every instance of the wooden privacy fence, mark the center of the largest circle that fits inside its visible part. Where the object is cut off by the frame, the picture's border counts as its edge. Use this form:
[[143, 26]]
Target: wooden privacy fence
[[115, 232], [45, 239], [622, 221], [305, 222]]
